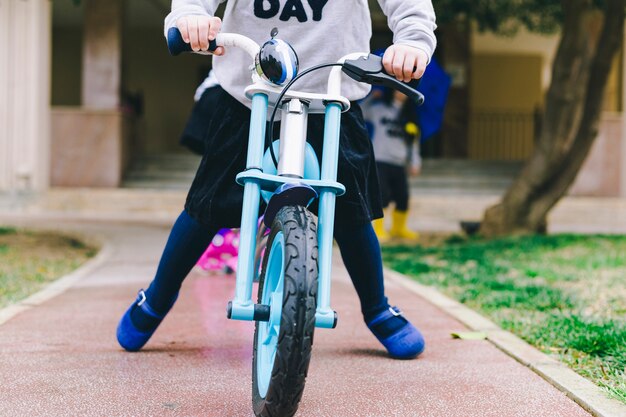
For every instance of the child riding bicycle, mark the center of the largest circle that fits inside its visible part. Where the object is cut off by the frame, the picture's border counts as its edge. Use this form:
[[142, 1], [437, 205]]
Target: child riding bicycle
[[323, 31]]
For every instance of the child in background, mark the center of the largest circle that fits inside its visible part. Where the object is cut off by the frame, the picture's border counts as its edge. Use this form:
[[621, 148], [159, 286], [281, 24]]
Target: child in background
[[395, 137], [323, 31]]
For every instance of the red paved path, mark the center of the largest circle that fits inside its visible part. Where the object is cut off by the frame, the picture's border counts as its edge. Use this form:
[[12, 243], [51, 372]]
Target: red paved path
[[61, 358]]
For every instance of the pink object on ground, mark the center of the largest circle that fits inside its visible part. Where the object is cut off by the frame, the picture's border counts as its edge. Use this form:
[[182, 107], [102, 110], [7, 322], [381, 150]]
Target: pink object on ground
[[230, 266], [221, 255]]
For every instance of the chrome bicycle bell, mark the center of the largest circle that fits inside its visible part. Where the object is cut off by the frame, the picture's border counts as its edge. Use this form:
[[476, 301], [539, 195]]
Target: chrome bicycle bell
[[277, 62]]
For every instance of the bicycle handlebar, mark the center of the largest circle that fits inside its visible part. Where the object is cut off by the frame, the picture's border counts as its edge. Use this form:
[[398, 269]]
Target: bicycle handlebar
[[368, 69], [177, 45]]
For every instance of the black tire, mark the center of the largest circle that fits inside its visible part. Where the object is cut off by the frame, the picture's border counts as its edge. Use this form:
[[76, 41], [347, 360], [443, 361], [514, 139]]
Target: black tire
[[297, 323]]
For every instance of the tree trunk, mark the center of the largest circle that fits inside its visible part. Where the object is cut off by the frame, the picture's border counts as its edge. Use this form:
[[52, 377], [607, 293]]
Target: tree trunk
[[570, 121], [455, 52]]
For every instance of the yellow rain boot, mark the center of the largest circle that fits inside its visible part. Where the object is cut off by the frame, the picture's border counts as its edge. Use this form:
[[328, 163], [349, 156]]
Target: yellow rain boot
[[379, 229], [398, 227]]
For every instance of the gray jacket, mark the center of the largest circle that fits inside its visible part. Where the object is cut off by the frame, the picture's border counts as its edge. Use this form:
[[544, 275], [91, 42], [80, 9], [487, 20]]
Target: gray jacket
[[319, 30]]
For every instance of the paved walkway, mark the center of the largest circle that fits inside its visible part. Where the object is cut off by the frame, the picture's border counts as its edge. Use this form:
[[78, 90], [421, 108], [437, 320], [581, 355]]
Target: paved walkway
[[429, 212], [571, 214], [61, 358]]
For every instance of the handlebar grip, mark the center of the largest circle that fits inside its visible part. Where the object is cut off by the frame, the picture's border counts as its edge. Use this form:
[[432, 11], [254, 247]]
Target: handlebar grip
[[409, 89], [176, 45], [370, 70]]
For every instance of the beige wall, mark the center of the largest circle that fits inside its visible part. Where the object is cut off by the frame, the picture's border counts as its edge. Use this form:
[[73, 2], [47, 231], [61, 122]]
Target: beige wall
[[505, 91], [604, 172], [523, 43], [545, 46], [613, 96], [89, 147], [509, 78], [506, 81]]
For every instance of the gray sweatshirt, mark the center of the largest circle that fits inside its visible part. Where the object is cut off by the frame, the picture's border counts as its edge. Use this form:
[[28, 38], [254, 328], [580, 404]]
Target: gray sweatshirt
[[320, 31], [388, 135]]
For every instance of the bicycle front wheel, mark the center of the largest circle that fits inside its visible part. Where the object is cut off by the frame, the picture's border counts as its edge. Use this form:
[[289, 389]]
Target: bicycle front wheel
[[288, 284]]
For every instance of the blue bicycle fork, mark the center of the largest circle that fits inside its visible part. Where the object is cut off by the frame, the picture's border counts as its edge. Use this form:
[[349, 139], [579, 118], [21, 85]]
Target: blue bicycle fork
[[242, 307], [325, 316]]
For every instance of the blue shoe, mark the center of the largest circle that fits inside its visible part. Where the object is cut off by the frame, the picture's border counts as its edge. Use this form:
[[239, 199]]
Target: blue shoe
[[129, 336], [401, 339]]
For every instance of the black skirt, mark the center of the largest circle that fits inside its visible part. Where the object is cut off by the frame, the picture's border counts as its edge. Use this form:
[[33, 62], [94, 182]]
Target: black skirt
[[215, 199], [195, 131]]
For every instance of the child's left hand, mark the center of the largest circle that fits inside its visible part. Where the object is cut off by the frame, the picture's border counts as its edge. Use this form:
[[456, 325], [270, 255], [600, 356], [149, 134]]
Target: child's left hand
[[401, 60]]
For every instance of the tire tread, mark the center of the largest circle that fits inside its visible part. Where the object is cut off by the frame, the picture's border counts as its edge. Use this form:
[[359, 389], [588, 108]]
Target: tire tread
[[299, 306]]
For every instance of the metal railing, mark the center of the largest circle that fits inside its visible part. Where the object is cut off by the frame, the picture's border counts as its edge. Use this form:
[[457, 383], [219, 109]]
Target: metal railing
[[502, 134]]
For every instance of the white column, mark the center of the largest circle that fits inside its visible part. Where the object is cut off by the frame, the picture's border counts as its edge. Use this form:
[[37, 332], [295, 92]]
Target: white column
[[102, 57], [24, 94], [623, 111], [4, 94]]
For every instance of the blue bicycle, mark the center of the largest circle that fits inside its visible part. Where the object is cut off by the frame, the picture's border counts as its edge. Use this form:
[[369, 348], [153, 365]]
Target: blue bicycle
[[293, 263]]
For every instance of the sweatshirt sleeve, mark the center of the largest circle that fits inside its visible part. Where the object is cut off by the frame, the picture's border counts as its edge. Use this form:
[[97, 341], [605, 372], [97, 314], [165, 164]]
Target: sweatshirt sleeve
[[182, 8], [412, 23]]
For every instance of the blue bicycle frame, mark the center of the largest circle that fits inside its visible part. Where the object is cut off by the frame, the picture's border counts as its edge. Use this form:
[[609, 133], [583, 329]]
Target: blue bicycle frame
[[296, 180], [254, 180]]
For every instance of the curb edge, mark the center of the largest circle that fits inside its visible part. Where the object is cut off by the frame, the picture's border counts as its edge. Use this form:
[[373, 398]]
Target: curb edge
[[60, 285], [584, 392]]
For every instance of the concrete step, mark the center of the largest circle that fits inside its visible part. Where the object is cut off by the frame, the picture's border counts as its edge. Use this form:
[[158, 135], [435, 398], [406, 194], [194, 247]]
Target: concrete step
[[162, 172], [113, 200], [439, 167], [160, 175], [445, 176], [458, 181], [465, 177], [158, 185]]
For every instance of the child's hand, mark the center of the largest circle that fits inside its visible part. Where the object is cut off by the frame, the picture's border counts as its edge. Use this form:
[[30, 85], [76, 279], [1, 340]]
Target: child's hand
[[198, 30], [402, 60], [414, 171]]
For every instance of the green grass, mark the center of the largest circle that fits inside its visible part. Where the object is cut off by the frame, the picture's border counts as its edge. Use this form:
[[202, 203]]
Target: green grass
[[565, 294], [30, 260], [7, 231]]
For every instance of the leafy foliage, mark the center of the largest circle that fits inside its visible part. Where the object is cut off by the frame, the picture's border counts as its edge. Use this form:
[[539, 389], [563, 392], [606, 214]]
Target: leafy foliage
[[507, 16]]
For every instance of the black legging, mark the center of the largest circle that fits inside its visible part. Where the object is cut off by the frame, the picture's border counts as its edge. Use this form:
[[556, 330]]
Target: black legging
[[394, 185], [187, 242], [361, 255], [189, 239]]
